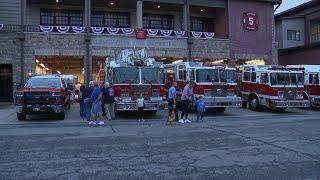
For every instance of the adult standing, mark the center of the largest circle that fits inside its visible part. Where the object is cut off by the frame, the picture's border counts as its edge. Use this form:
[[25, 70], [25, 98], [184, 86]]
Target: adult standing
[[87, 102], [186, 100], [102, 88], [172, 102], [81, 101], [96, 105], [109, 101]]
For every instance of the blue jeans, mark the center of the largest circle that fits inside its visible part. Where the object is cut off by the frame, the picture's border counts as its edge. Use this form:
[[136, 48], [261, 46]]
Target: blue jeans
[[200, 116], [82, 109], [88, 107]]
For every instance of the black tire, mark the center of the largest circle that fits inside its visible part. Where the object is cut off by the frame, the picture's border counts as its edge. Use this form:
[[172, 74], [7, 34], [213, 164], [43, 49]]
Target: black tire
[[244, 104], [254, 103], [21, 116], [62, 115], [220, 109], [281, 109]]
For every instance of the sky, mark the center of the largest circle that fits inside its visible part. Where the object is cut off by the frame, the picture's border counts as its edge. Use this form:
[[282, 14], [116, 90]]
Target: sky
[[287, 4]]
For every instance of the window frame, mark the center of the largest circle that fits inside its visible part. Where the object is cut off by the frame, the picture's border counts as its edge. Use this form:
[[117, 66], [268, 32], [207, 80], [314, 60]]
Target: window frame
[[162, 20], [293, 35], [117, 19], [68, 12]]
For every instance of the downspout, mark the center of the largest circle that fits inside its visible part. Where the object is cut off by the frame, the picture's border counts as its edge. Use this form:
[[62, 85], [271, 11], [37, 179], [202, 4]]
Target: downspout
[[189, 40]]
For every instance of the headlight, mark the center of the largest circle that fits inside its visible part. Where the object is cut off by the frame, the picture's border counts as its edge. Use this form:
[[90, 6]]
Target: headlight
[[299, 95], [56, 94], [281, 94], [19, 94]]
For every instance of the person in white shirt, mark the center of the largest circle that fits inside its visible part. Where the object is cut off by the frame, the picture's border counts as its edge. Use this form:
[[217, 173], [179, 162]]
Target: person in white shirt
[[140, 106]]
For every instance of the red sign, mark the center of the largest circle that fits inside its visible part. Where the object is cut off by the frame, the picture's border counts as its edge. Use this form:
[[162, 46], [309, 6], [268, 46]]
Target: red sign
[[250, 21], [141, 34]]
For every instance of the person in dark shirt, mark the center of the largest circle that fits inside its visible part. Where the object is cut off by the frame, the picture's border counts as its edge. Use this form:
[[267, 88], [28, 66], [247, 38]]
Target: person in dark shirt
[[109, 101], [102, 87], [81, 101], [87, 101]]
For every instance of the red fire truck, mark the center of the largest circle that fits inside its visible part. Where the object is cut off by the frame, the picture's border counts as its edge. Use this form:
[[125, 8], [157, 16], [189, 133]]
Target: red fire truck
[[133, 74], [311, 82], [216, 83], [274, 87]]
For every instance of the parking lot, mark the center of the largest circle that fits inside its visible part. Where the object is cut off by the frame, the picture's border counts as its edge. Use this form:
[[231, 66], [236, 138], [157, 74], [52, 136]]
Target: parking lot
[[239, 144]]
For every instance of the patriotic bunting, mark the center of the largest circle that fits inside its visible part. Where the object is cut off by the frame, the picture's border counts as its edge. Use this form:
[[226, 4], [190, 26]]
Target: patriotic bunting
[[46, 29], [1, 26], [62, 29]]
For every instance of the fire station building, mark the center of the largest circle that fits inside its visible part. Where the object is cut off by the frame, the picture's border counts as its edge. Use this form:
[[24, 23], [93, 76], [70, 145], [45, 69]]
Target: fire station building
[[77, 36]]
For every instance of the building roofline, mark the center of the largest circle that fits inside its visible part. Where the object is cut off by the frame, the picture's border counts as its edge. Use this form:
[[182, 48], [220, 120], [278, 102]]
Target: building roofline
[[297, 9], [299, 48], [274, 2]]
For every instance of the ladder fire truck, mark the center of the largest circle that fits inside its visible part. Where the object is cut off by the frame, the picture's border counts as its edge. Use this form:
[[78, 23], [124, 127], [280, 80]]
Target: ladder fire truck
[[215, 83], [311, 82], [133, 73], [274, 87]]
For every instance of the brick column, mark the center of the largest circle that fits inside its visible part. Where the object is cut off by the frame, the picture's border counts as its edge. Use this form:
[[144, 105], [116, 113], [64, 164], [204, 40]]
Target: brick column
[[186, 26], [88, 57], [139, 14], [21, 38]]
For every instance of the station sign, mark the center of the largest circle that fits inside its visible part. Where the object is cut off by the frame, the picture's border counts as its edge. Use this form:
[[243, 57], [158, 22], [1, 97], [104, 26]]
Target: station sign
[[141, 34], [250, 21]]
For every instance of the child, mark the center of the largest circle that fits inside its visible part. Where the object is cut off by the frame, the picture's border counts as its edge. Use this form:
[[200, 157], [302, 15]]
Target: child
[[201, 108], [140, 105]]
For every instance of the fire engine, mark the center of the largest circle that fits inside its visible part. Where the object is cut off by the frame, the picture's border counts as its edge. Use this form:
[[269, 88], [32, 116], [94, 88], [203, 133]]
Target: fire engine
[[215, 83], [272, 86], [132, 74], [311, 82]]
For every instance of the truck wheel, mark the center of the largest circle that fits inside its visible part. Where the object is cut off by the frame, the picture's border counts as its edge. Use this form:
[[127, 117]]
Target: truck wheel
[[220, 109], [281, 109], [62, 115], [244, 104], [21, 116], [254, 103]]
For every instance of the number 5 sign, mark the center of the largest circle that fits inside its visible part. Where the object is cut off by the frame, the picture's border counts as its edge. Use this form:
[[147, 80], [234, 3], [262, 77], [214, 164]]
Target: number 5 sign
[[250, 21]]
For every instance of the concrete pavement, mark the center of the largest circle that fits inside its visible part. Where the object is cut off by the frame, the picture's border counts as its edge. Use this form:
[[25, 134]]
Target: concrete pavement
[[239, 144]]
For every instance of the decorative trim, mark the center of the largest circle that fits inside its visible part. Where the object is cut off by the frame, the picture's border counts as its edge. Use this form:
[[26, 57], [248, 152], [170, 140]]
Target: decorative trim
[[1, 26], [46, 29], [152, 32], [63, 29], [127, 31], [196, 34], [209, 35], [78, 29], [112, 30], [180, 33], [97, 30], [166, 32]]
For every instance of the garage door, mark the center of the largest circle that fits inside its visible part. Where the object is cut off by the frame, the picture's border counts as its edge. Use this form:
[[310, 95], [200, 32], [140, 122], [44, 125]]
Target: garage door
[[6, 83]]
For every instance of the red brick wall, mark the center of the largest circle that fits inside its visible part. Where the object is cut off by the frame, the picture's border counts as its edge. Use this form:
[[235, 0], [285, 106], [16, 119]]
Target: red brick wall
[[221, 26], [306, 56], [250, 42]]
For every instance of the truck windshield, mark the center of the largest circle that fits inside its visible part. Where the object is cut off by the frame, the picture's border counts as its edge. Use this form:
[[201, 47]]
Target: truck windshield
[[126, 75], [43, 83], [152, 75], [286, 79], [216, 75]]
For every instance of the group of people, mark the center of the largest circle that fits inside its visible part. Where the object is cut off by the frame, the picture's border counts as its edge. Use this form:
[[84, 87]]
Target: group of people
[[187, 100], [98, 100], [95, 101]]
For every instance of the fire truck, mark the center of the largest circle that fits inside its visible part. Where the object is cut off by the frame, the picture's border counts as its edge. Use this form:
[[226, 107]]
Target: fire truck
[[311, 82], [132, 74], [215, 83], [272, 86]]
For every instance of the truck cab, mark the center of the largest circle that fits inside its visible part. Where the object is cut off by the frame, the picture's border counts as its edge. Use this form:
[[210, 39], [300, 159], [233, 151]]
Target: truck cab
[[42, 94]]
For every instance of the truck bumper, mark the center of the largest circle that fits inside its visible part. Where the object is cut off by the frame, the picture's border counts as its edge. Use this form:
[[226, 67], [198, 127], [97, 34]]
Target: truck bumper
[[222, 102], [131, 106], [289, 103], [40, 109], [315, 102]]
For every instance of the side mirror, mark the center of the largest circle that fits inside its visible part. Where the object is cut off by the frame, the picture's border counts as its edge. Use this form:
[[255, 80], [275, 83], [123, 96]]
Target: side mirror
[[17, 85]]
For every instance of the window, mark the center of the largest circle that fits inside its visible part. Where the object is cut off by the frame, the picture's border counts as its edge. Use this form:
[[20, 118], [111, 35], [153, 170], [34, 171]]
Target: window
[[314, 79], [293, 35], [253, 77], [192, 75], [158, 22], [264, 78], [182, 73], [315, 31], [201, 24], [110, 19], [246, 76], [61, 17]]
